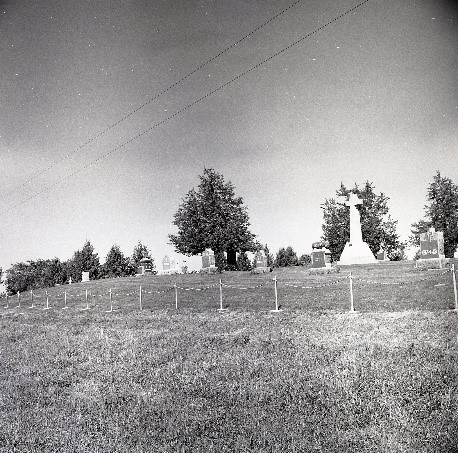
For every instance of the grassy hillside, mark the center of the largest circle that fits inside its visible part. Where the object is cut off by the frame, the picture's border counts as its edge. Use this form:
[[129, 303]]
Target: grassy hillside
[[309, 378]]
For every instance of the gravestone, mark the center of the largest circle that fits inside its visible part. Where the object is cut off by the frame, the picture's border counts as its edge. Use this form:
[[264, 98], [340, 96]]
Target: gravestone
[[455, 255], [260, 263], [145, 267], [382, 255], [168, 266], [321, 258], [356, 251], [432, 250], [85, 276], [208, 261]]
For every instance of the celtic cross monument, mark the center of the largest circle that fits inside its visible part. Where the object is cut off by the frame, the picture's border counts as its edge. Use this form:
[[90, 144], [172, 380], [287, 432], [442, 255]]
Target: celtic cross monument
[[356, 251]]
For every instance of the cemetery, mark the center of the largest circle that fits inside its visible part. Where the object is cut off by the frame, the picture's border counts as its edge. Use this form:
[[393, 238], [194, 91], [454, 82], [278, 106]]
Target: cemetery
[[171, 354]]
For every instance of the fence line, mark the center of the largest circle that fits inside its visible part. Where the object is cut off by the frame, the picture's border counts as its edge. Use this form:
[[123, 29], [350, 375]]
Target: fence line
[[140, 291]]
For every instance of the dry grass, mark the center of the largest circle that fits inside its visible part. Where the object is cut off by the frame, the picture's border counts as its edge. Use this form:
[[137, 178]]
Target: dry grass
[[310, 378]]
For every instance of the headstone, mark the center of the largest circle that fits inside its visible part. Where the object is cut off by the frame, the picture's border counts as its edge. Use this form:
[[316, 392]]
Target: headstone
[[455, 255], [85, 276], [321, 256], [382, 255], [208, 261], [166, 263], [431, 250], [145, 266], [356, 251], [261, 262]]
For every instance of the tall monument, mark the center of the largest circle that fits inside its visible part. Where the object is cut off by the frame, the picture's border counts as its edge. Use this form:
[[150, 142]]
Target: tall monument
[[356, 251]]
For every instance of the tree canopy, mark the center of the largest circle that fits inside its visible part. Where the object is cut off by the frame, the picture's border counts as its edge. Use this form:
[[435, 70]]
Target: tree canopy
[[441, 213], [212, 217], [116, 264], [378, 228], [84, 260]]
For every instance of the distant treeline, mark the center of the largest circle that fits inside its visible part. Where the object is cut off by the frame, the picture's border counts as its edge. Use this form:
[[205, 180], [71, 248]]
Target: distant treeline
[[46, 273]]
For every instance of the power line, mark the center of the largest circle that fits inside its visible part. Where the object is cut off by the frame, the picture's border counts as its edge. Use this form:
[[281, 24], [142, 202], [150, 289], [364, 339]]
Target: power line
[[158, 95], [103, 156]]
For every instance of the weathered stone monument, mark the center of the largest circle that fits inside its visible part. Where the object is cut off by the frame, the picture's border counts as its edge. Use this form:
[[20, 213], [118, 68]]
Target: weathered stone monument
[[208, 261], [85, 276], [145, 267], [168, 266], [321, 258], [432, 250], [356, 251], [260, 262], [382, 255], [455, 255]]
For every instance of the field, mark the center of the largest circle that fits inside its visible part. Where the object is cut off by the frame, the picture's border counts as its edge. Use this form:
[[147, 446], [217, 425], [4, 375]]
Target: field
[[311, 377]]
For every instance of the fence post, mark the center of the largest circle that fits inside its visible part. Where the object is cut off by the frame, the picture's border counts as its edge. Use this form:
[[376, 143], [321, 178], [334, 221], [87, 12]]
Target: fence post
[[87, 303], [352, 306], [111, 302], [65, 301], [140, 291], [31, 299], [454, 287], [47, 301], [276, 296], [18, 300], [221, 296], [7, 303], [176, 296]]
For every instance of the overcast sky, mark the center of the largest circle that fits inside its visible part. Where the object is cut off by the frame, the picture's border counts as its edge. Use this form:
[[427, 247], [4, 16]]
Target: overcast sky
[[373, 96]]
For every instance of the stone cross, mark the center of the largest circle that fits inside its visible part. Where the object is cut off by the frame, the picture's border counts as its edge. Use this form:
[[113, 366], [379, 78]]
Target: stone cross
[[355, 220]]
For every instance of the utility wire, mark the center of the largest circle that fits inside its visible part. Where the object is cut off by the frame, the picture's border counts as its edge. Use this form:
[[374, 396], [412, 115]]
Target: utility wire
[[158, 95], [103, 156]]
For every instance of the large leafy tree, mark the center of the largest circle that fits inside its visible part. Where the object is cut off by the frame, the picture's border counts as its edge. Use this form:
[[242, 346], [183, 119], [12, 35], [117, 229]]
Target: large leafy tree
[[378, 228], [213, 217], [441, 212]]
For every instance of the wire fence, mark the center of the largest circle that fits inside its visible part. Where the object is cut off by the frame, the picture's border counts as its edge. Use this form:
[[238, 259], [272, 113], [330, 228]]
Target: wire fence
[[85, 299]]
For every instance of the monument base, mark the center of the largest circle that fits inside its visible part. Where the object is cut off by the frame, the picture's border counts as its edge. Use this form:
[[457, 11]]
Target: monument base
[[168, 272], [324, 270], [260, 270], [432, 263], [209, 270], [357, 253]]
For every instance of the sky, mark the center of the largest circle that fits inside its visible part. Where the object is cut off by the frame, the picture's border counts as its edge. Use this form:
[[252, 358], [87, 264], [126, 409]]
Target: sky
[[95, 144]]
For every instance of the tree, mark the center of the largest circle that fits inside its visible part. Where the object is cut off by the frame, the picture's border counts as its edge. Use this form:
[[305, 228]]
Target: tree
[[212, 217], [243, 262], [35, 274], [378, 228], [84, 260], [140, 251], [305, 259], [286, 257], [441, 213], [116, 264]]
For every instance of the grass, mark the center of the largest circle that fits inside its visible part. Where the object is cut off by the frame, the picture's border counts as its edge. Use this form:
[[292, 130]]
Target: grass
[[310, 378]]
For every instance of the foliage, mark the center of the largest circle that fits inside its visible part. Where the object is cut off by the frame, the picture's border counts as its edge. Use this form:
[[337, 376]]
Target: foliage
[[116, 264], [305, 259], [441, 213], [141, 251], [286, 257], [378, 228], [243, 262], [84, 260], [35, 274], [212, 217]]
